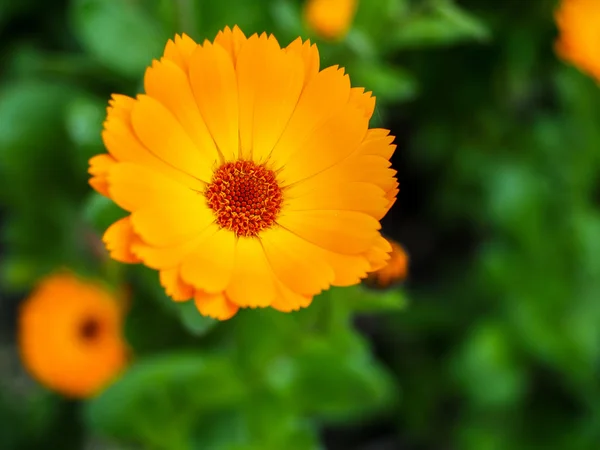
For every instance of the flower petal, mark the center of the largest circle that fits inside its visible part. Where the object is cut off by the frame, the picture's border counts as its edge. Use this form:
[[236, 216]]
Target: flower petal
[[269, 82], [329, 144], [180, 50], [310, 56], [168, 84], [167, 257], [99, 167], [133, 187], [379, 254], [296, 262], [288, 300], [123, 144], [214, 84], [326, 95], [353, 196], [252, 281], [119, 238], [345, 232], [174, 285], [210, 266], [164, 136], [231, 40], [216, 306], [363, 100]]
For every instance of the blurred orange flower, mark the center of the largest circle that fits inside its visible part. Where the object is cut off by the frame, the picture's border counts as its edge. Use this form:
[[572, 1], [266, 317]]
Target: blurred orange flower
[[579, 41], [330, 19], [70, 335], [394, 271], [252, 177]]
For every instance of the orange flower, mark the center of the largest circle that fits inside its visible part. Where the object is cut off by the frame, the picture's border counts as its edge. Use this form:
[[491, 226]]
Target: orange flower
[[70, 335], [394, 271], [251, 176], [330, 19], [579, 41]]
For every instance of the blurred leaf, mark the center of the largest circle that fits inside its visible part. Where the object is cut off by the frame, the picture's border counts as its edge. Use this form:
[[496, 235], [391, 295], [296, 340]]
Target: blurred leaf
[[34, 160], [388, 83], [192, 320], [339, 383], [187, 314], [122, 35], [84, 117], [488, 355], [446, 23], [362, 299], [101, 212], [158, 399]]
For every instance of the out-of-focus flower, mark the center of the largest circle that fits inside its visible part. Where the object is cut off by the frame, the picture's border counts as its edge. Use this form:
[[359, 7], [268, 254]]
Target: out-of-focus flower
[[70, 335], [252, 177], [579, 41], [330, 19], [395, 270]]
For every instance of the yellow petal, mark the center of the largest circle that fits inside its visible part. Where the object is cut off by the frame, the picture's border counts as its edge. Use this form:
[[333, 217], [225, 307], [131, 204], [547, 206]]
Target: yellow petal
[[379, 254], [164, 136], [363, 100], [168, 84], [252, 283], [210, 266], [231, 40], [213, 80], [353, 196], [99, 167], [174, 285], [310, 56], [216, 306], [296, 262], [325, 96], [345, 232], [119, 238], [269, 83], [180, 50], [168, 257], [288, 300], [171, 223], [133, 187], [123, 145]]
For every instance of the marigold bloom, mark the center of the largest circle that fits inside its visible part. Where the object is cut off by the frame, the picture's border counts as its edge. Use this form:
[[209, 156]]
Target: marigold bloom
[[395, 270], [251, 176], [330, 19], [579, 41], [70, 335]]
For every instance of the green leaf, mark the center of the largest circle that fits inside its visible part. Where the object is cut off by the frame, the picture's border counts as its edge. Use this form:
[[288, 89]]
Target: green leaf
[[101, 212], [34, 158], [192, 320], [388, 83], [362, 299], [84, 117], [120, 34], [158, 399], [339, 382], [445, 24]]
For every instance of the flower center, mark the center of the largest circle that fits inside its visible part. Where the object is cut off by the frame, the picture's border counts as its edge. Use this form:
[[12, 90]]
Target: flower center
[[245, 197], [89, 329]]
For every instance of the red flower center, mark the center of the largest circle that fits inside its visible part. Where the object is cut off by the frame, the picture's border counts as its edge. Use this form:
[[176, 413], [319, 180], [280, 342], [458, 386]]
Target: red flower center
[[245, 197]]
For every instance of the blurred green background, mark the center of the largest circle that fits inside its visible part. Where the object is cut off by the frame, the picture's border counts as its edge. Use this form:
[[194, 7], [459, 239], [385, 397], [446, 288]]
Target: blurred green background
[[492, 343]]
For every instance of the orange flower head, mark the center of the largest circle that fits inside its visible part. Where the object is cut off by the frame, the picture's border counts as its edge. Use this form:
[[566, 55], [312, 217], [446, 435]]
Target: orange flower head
[[394, 271], [70, 335], [579, 41], [330, 19], [251, 176]]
